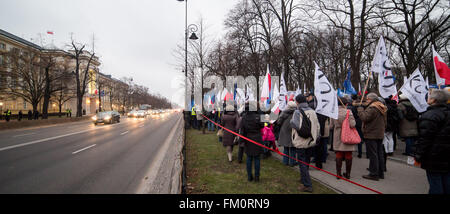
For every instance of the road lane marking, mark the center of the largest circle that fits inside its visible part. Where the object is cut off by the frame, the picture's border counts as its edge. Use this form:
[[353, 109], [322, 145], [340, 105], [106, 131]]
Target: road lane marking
[[53, 138], [141, 126], [124, 133], [83, 149], [21, 135]]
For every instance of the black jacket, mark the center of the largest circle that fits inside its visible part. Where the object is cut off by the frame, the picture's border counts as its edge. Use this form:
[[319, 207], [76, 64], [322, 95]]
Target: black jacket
[[432, 149], [251, 128]]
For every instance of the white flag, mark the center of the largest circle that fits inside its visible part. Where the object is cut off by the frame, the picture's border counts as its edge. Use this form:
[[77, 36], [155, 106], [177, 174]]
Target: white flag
[[382, 66], [249, 96], [282, 99], [326, 95], [299, 91], [265, 93], [415, 88]]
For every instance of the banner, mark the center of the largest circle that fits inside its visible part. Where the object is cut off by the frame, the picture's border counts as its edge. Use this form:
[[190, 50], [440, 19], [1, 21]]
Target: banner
[[327, 103], [415, 88]]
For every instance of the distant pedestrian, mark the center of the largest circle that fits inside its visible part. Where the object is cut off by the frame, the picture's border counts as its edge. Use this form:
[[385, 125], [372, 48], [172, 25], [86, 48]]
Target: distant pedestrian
[[7, 115], [373, 114], [20, 115], [229, 121], [408, 116], [304, 137], [343, 151], [36, 115], [30, 115], [251, 128], [284, 132], [433, 145]]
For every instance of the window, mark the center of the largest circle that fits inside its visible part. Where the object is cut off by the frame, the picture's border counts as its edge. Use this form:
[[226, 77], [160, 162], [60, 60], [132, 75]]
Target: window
[[2, 46], [24, 104]]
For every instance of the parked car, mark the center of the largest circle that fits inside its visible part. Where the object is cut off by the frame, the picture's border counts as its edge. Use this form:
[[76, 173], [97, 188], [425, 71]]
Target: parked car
[[106, 117]]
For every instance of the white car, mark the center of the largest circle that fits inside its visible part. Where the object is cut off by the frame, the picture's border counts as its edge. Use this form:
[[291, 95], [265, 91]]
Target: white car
[[136, 113]]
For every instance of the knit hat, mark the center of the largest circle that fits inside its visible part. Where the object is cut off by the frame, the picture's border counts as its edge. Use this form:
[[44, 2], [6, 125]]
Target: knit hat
[[300, 98]]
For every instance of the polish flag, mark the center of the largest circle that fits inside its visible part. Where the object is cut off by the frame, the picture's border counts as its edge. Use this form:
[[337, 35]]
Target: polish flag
[[441, 70], [50, 32], [265, 94]]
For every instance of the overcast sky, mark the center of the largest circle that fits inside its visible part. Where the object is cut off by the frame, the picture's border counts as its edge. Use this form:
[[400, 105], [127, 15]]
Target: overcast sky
[[134, 38]]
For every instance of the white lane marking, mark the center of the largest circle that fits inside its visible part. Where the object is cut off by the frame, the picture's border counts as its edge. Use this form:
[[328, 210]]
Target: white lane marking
[[141, 126], [21, 135], [53, 138], [124, 133], [83, 149]]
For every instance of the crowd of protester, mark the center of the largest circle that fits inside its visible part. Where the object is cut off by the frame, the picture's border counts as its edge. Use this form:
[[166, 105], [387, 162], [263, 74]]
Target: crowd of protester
[[305, 135]]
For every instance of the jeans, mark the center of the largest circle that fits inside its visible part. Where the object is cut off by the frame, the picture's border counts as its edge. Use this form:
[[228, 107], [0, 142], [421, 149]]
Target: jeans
[[375, 151], [289, 151], [439, 182], [305, 156], [409, 144], [211, 126], [250, 159]]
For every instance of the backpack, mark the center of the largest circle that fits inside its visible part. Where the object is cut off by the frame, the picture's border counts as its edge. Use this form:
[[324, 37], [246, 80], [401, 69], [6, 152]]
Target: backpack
[[304, 129], [411, 113]]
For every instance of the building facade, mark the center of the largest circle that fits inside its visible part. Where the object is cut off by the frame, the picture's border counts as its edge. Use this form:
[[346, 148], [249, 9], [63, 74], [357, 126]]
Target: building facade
[[98, 91]]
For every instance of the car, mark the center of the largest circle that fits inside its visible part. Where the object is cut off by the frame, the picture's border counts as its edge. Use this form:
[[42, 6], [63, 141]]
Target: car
[[106, 117], [137, 113]]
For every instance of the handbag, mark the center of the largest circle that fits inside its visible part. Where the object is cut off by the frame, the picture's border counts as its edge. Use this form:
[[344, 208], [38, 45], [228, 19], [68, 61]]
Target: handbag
[[220, 133], [349, 135]]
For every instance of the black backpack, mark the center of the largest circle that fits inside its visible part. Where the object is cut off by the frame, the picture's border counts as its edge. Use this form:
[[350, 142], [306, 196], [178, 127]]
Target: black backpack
[[304, 130]]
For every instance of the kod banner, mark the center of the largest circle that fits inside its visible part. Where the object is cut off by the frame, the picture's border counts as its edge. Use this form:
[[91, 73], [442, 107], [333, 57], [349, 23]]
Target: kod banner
[[326, 95]]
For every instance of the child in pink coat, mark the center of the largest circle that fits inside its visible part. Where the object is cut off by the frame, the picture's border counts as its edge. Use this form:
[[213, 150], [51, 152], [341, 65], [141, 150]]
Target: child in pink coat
[[268, 137]]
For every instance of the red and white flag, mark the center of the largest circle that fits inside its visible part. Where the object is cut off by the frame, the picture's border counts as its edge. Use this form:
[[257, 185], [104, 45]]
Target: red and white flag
[[265, 93], [50, 32], [441, 70]]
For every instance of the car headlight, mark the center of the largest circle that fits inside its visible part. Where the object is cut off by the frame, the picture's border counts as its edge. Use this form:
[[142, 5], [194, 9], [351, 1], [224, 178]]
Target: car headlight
[[94, 118], [107, 117], [135, 114]]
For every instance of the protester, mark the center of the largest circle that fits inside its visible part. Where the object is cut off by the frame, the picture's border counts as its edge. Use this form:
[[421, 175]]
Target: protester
[[285, 133], [393, 120], [305, 144], [36, 115], [230, 122], [373, 115], [251, 128], [342, 150], [321, 149], [212, 116], [311, 99], [408, 116], [433, 145], [353, 107], [267, 136]]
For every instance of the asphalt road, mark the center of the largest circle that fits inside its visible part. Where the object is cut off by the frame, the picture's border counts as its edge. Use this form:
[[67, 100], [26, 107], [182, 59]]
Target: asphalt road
[[80, 157]]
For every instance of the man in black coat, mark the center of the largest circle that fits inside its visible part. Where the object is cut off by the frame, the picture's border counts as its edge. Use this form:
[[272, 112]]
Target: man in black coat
[[432, 149]]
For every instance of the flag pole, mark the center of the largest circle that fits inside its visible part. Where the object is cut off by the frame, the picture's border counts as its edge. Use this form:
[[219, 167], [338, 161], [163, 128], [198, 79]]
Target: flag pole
[[365, 87]]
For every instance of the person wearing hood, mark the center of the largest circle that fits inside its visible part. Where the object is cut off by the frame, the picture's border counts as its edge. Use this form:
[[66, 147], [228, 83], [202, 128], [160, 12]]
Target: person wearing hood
[[311, 99], [283, 132], [374, 117]]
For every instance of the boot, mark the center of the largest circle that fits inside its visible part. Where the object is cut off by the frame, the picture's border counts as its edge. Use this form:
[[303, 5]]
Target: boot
[[230, 157], [348, 168], [338, 167]]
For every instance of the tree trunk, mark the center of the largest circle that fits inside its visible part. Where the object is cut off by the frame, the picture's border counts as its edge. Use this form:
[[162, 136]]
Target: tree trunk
[[46, 95]]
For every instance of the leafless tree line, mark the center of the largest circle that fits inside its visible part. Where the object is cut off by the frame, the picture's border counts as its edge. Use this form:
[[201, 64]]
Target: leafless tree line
[[289, 35]]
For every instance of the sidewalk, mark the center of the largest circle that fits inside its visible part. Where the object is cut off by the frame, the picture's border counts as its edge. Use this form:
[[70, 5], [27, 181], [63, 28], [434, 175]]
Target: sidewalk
[[400, 178]]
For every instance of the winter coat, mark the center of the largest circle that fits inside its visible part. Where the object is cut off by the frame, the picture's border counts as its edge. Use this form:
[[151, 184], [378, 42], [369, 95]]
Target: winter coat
[[285, 138], [267, 133], [303, 143], [406, 128], [229, 121], [251, 128], [337, 125], [374, 118], [432, 148], [392, 116], [358, 121]]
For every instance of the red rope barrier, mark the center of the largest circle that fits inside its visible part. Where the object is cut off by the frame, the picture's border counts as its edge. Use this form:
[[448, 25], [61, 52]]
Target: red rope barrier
[[282, 154]]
